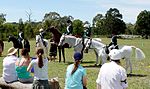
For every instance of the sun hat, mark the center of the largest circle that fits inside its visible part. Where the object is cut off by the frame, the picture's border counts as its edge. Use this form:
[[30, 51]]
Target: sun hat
[[115, 54], [12, 51], [41, 30], [77, 56]]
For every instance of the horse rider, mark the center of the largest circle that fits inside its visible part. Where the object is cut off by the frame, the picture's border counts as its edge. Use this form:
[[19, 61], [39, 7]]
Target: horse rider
[[23, 42], [113, 44], [87, 31], [42, 33], [69, 28], [86, 34]]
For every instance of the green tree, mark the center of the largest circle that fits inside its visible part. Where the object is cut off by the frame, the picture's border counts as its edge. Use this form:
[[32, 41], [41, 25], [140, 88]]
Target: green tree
[[113, 22], [130, 29], [63, 22], [77, 27], [97, 24], [20, 25], [143, 23], [28, 31], [2, 18]]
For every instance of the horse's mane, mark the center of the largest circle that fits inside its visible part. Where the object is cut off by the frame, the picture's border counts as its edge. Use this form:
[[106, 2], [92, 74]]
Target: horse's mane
[[56, 34], [97, 43], [54, 30]]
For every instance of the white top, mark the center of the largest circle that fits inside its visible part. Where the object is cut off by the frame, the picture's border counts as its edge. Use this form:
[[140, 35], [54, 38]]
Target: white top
[[112, 76], [9, 72], [40, 73]]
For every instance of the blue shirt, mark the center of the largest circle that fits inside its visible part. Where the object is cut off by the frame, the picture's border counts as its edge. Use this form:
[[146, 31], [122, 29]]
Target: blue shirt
[[74, 81]]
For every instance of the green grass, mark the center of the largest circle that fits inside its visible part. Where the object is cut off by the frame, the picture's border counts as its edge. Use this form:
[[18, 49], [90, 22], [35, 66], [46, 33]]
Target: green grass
[[141, 80]]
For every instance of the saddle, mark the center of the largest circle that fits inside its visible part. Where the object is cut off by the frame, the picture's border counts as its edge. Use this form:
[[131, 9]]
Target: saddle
[[108, 48]]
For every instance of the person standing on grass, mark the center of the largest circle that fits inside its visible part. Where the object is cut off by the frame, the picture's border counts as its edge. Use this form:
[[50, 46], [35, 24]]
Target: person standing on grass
[[86, 34], [21, 67], [112, 75], [40, 66], [76, 74], [9, 74], [53, 50]]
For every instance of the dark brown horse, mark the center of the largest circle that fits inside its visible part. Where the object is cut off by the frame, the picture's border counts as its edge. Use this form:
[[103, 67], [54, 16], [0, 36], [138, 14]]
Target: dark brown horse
[[56, 37]]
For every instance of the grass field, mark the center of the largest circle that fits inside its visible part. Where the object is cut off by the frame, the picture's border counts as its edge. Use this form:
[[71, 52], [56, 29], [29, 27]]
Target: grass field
[[141, 70]]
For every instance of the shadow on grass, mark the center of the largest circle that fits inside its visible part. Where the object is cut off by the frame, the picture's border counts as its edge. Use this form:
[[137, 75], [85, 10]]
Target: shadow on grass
[[136, 75], [92, 66], [85, 62]]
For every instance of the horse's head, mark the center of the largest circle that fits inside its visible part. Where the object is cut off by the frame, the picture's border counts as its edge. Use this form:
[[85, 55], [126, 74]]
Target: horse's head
[[11, 38], [61, 41], [88, 43], [106, 49], [51, 29], [37, 38]]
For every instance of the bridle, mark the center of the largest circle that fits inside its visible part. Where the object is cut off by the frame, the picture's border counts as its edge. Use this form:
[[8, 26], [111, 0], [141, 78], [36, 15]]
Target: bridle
[[90, 43], [62, 40]]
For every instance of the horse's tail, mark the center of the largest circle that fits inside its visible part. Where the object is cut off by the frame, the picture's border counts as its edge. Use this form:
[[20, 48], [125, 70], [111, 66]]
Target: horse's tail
[[139, 54]]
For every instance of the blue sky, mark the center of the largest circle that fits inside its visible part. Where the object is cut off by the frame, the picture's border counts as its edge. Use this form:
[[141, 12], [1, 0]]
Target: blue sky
[[79, 9]]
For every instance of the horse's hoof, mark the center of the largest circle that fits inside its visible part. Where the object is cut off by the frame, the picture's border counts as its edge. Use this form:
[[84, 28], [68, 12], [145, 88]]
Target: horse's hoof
[[100, 65], [95, 64]]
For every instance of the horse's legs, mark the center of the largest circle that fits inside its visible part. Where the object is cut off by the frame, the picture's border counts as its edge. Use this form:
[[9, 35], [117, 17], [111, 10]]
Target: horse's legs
[[63, 53], [96, 57], [128, 63], [18, 52], [59, 50]]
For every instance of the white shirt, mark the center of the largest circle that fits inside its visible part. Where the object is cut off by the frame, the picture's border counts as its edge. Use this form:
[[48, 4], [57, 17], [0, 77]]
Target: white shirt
[[40, 73], [111, 75], [9, 72]]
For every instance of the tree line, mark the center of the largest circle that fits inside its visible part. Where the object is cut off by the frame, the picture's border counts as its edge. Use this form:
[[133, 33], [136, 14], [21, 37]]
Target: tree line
[[107, 24]]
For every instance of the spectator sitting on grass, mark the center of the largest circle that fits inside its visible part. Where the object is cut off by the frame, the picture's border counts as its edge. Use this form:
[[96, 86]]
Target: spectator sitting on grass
[[9, 74], [21, 67]]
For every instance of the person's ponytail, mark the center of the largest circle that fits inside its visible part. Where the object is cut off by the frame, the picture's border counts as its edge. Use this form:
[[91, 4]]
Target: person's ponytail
[[76, 64], [40, 58]]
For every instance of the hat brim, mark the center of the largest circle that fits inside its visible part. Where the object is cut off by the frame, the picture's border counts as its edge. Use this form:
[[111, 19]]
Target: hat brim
[[14, 52]]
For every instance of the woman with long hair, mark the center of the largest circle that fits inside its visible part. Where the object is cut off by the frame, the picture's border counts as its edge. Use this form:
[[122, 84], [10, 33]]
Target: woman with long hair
[[40, 66], [22, 65], [76, 74]]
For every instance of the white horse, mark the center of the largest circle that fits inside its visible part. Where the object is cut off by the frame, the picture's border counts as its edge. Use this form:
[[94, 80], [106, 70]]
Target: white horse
[[43, 43], [75, 42], [125, 50]]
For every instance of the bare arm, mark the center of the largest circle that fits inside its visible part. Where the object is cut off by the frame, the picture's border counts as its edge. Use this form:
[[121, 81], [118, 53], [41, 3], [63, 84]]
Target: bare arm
[[29, 67], [98, 86], [84, 81]]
